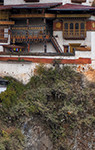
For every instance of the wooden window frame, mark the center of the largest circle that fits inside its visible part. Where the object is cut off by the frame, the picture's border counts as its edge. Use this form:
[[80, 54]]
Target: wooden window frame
[[66, 48], [80, 34], [73, 46]]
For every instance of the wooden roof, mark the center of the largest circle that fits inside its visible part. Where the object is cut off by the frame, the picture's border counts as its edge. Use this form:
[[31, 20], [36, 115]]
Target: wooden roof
[[74, 7], [31, 6]]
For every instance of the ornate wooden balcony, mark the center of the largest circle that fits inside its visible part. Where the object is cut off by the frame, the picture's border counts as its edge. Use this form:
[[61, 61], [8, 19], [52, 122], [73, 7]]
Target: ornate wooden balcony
[[29, 33], [77, 34]]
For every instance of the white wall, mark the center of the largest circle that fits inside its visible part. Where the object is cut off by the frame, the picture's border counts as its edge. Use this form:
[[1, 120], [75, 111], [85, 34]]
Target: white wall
[[13, 2], [63, 41], [1, 48], [51, 1], [23, 71], [88, 2], [82, 54], [20, 71], [39, 48], [93, 44]]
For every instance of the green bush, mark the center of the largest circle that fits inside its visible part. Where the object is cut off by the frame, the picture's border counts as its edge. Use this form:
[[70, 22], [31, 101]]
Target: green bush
[[57, 97]]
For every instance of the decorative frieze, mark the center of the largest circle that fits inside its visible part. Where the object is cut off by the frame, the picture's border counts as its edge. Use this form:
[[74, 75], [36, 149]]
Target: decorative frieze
[[90, 25], [32, 16], [4, 15], [7, 22], [57, 26], [73, 16]]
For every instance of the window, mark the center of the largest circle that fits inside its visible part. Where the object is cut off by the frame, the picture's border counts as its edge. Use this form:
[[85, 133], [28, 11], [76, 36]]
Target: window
[[74, 30], [78, 1], [1, 2], [31, 0], [66, 48], [3, 34]]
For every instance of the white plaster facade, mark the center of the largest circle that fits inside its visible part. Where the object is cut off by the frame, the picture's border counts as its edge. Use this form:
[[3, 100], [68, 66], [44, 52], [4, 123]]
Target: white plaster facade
[[93, 45], [39, 48], [13, 2], [19, 71], [62, 41], [23, 71]]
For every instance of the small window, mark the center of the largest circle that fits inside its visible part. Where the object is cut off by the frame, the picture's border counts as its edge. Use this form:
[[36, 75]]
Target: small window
[[82, 25], [3, 34], [71, 26], [66, 25], [66, 48], [77, 26], [1, 2], [31, 0], [78, 1]]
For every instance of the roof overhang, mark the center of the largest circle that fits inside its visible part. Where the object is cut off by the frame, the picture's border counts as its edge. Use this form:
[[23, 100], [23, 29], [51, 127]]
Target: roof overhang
[[72, 7], [31, 6]]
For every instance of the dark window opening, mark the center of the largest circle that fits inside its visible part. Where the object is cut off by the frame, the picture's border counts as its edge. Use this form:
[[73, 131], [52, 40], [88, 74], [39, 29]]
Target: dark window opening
[[31, 0]]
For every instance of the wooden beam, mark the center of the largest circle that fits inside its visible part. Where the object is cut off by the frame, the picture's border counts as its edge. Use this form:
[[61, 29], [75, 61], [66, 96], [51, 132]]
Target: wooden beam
[[50, 15], [7, 22], [73, 16], [28, 47], [27, 16], [33, 16]]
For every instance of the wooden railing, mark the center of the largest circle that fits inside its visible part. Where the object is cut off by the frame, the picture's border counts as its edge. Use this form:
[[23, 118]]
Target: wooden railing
[[56, 45], [74, 34], [29, 33]]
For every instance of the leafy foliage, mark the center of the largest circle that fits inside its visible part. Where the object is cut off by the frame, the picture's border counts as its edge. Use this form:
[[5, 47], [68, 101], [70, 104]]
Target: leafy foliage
[[57, 95]]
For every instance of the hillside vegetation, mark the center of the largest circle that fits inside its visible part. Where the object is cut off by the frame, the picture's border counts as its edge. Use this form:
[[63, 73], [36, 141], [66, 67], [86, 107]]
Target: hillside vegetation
[[58, 97]]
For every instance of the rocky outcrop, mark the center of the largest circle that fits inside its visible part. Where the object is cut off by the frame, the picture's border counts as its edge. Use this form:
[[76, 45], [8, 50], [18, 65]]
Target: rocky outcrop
[[35, 136]]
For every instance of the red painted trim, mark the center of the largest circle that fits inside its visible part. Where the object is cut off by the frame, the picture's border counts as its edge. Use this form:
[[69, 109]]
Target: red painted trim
[[48, 60]]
